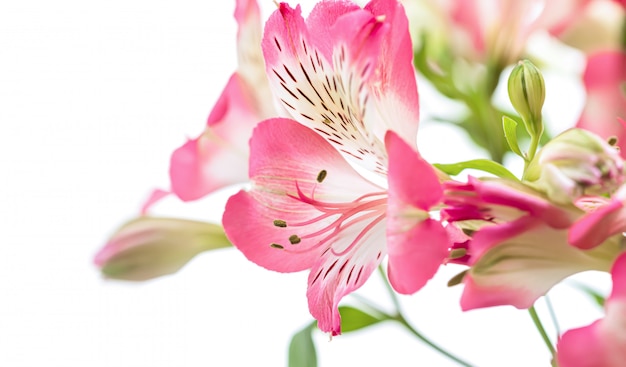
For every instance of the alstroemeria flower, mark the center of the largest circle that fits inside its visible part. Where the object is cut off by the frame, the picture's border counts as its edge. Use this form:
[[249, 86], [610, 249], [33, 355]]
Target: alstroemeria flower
[[603, 343], [520, 248], [309, 209], [605, 108], [497, 30], [219, 156], [517, 262], [346, 73]]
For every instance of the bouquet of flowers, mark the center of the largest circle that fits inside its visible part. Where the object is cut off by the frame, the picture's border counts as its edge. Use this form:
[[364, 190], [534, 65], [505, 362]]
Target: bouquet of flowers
[[319, 123]]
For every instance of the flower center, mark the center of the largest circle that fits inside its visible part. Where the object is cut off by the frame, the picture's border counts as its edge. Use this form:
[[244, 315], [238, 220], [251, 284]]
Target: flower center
[[334, 218]]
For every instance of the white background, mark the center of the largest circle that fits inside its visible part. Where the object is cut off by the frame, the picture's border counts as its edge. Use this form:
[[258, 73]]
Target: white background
[[94, 96]]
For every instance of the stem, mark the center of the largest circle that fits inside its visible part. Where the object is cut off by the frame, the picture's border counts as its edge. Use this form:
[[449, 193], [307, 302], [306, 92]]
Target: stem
[[555, 322], [399, 317], [428, 342], [540, 328], [532, 149]]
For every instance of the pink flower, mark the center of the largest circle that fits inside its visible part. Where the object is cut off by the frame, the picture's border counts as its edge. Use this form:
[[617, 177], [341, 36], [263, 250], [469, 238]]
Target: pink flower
[[603, 343], [496, 31], [346, 74], [219, 156], [519, 248], [605, 108]]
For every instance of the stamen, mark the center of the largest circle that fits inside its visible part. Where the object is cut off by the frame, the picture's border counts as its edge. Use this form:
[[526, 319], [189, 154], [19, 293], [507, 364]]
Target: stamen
[[321, 176], [275, 245], [458, 253], [370, 208], [457, 279], [280, 223]]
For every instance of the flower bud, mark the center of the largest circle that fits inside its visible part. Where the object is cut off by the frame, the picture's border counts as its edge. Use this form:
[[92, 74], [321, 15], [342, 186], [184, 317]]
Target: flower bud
[[576, 163], [527, 93], [146, 247]]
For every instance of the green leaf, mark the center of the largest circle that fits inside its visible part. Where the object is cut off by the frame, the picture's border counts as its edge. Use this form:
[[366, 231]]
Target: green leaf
[[594, 294], [510, 134], [302, 349], [484, 165], [354, 319]]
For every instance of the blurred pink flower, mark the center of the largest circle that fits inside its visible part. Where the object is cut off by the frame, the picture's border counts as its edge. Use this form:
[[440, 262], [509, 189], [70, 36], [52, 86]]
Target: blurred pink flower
[[602, 343], [605, 108], [496, 31]]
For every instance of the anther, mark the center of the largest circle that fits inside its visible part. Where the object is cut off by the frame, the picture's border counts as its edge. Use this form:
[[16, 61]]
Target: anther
[[294, 239], [280, 223], [321, 176], [275, 245], [612, 140], [458, 253], [457, 279]]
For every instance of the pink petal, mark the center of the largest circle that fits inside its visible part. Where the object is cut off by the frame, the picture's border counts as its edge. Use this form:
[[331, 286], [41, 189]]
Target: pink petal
[[218, 157], [582, 347], [417, 245], [415, 254], [606, 103], [602, 343], [466, 14], [558, 15], [286, 161], [333, 81], [522, 198], [155, 196], [481, 197], [332, 277], [515, 263], [250, 65], [595, 227], [411, 179], [618, 275], [396, 99]]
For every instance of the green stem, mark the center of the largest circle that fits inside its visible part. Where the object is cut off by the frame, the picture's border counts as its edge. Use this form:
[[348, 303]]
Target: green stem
[[532, 150], [555, 322], [540, 328], [399, 317]]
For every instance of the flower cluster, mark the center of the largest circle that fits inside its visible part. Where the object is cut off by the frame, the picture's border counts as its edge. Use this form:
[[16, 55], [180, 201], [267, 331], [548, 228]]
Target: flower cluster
[[320, 123]]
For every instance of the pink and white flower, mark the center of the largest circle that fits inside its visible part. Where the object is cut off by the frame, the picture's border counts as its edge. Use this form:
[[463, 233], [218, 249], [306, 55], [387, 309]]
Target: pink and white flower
[[219, 156], [519, 247], [602, 343], [346, 77]]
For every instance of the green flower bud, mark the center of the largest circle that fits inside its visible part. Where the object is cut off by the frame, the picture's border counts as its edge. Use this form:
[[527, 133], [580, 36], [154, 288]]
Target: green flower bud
[[527, 92], [576, 163], [146, 247]]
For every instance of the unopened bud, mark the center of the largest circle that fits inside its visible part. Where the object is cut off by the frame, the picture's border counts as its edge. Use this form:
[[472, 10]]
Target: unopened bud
[[147, 247], [527, 92], [576, 163]]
